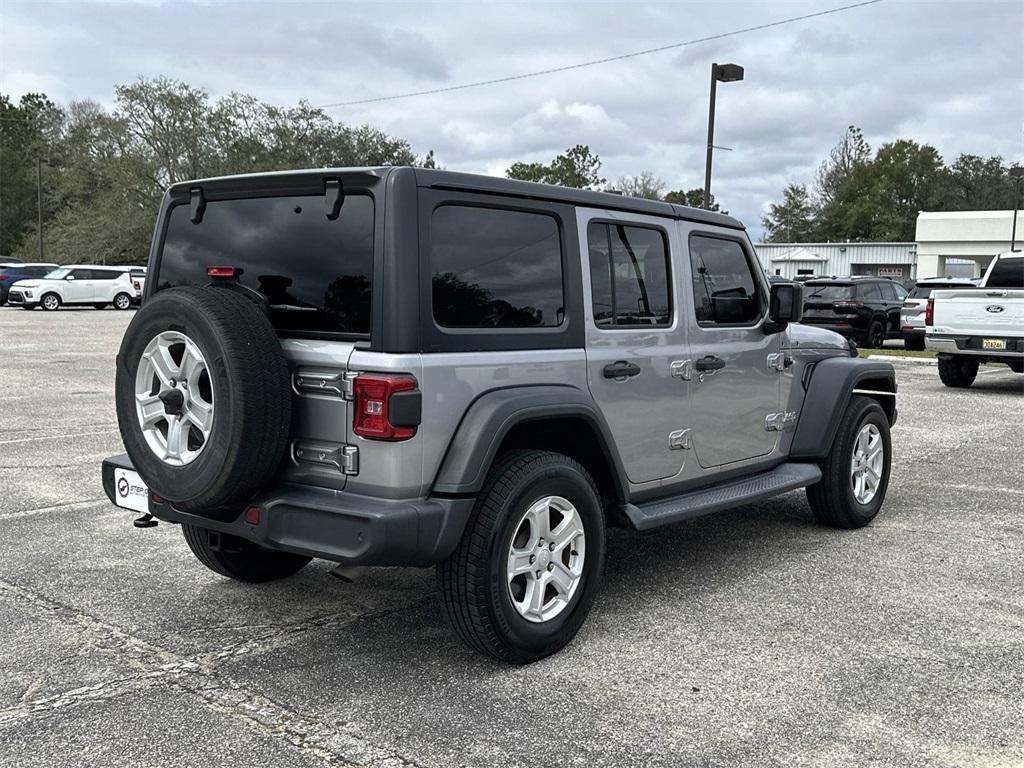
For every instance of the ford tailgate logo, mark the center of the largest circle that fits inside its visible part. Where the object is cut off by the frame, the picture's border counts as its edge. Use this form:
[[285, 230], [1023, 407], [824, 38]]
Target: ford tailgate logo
[[994, 308]]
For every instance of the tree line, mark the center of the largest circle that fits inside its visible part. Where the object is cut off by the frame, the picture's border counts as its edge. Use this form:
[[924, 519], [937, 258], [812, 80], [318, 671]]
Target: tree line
[[858, 195]]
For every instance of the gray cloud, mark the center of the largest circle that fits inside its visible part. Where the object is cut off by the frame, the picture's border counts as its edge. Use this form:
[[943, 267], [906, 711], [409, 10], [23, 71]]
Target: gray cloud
[[946, 73]]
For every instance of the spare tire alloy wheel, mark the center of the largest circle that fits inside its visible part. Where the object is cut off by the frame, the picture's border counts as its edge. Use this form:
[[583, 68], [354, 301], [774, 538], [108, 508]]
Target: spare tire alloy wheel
[[545, 559], [174, 398], [203, 397]]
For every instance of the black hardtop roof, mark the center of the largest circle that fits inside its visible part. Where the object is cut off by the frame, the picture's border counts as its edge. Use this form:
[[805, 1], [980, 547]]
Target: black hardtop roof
[[470, 182]]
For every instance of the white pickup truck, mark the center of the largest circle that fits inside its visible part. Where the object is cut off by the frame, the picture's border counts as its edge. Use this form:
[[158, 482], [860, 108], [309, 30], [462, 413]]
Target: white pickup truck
[[970, 326]]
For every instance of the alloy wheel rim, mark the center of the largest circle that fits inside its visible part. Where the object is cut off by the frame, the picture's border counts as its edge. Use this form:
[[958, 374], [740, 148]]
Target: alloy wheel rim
[[174, 398], [545, 560], [867, 463], [49, 302], [122, 301]]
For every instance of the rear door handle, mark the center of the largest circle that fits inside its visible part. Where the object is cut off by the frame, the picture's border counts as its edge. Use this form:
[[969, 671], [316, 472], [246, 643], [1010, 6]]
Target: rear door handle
[[620, 369], [709, 363]]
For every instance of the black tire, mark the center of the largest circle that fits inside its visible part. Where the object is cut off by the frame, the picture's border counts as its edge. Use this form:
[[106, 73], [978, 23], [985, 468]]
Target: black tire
[[251, 392], [957, 372], [122, 301], [1017, 366], [915, 343], [54, 305], [472, 585], [241, 560], [832, 499], [875, 338], [28, 306]]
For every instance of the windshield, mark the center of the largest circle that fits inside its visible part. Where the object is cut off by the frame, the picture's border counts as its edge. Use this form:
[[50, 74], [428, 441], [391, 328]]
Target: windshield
[[829, 292], [314, 271], [58, 274]]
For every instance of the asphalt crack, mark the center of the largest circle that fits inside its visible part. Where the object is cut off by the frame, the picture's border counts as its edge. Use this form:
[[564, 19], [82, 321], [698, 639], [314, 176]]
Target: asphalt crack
[[197, 675]]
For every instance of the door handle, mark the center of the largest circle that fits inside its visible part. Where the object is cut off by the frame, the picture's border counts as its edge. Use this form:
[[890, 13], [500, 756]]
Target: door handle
[[709, 363], [620, 369]]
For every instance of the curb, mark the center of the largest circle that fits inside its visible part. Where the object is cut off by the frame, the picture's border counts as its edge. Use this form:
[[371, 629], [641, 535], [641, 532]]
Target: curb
[[905, 359]]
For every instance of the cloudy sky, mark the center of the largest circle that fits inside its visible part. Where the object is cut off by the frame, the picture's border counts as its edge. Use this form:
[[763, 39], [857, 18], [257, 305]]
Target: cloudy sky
[[947, 73]]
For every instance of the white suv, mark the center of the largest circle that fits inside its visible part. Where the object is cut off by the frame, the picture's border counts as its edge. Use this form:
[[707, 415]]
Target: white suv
[[87, 284]]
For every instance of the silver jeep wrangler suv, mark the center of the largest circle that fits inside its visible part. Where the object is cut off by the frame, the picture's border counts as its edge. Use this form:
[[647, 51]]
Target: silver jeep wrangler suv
[[398, 366]]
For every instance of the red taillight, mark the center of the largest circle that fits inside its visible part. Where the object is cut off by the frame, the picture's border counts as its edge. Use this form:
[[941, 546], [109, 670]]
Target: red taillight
[[252, 516], [372, 405], [929, 313], [4, 277], [221, 272], [136, 285]]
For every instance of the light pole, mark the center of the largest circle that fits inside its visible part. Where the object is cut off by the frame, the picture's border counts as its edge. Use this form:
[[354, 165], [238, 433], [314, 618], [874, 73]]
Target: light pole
[[725, 73], [52, 163]]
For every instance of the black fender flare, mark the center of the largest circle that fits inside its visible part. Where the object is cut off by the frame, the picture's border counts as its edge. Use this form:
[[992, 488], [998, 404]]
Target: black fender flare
[[490, 417], [832, 383]]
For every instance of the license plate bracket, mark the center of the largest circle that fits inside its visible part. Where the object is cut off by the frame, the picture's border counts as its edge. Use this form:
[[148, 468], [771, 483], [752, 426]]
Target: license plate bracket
[[993, 343]]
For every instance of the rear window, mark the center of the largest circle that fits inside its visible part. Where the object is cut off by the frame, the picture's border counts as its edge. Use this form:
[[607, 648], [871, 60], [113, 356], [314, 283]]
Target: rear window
[[494, 268], [1007, 273], [315, 272], [828, 291], [924, 290]]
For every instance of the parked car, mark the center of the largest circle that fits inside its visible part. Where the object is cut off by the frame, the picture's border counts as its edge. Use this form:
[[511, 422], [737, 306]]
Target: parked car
[[912, 314], [4, 260], [97, 286], [11, 273], [427, 368], [968, 327], [865, 309]]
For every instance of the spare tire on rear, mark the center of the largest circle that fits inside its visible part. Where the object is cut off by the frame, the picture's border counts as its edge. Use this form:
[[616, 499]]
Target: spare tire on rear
[[203, 397]]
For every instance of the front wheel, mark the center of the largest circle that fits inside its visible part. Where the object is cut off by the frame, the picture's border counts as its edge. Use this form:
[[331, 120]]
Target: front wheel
[[239, 559], [522, 580], [957, 372], [50, 302], [855, 475]]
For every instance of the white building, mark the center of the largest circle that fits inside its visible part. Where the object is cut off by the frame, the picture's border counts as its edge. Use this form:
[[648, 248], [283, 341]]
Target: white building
[[897, 260], [947, 236]]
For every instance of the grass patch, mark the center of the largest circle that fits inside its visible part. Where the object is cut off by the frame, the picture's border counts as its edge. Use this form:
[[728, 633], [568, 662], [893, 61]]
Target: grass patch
[[926, 353]]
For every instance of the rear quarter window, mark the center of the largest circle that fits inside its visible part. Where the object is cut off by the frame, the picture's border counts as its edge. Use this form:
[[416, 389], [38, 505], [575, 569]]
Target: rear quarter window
[[315, 272], [828, 292], [1007, 273], [495, 268]]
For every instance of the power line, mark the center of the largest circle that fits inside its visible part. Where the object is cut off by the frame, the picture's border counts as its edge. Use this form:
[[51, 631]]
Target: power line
[[595, 62]]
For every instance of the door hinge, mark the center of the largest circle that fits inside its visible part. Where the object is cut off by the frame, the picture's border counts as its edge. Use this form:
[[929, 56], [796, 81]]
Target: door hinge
[[337, 384], [779, 361], [344, 458], [679, 439], [682, 369]]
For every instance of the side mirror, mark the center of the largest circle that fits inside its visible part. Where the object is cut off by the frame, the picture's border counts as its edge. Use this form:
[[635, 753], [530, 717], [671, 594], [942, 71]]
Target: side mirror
[[785, 306], [70, 277]]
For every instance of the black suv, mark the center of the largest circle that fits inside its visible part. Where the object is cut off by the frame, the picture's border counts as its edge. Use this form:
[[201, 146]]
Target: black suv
[[865, 309]]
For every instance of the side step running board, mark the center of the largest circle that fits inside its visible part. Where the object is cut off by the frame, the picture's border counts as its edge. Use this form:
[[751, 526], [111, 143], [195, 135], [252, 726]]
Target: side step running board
[[785, 477]]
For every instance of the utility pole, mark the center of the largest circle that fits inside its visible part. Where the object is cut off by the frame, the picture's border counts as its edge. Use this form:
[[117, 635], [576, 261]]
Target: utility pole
[[726, 73], [1017, 174], [39, 202]]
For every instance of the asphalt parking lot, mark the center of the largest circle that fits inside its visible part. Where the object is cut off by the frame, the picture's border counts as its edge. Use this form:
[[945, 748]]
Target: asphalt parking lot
[[750, 638]]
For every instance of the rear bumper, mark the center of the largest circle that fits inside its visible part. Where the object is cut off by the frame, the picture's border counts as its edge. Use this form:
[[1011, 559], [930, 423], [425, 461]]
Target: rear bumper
[[333, 525], [974, 346]]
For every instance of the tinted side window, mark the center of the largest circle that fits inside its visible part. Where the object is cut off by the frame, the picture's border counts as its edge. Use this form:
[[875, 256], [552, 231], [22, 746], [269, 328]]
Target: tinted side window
[[493, 268], [725, 291], [888, 291], [869, 292], [628, 275], [1007, 273], [82, 274], [106, 274]]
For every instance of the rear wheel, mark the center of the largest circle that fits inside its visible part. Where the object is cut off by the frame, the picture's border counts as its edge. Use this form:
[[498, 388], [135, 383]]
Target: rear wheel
[[957, 372], [855, 475], [50, 302], [522, 580], [239, 559], [876, 335], [122, 301]]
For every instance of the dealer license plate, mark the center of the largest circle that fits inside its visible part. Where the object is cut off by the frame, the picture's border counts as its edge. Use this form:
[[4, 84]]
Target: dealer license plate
[[993, 343], [129, 490]]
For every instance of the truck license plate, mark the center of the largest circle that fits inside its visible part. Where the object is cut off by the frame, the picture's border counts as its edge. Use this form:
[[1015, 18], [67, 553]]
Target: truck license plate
[[993, 343], [130, 492]]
